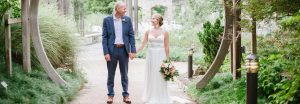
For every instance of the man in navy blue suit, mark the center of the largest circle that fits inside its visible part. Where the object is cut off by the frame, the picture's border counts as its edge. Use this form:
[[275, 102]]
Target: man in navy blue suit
[[118, 46]]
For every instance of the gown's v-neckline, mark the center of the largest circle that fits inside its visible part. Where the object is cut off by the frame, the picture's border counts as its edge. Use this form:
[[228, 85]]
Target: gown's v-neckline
[[157, 35]]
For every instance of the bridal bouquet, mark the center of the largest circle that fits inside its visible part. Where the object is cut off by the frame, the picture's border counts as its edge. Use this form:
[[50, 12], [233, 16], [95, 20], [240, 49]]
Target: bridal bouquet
[[168, 70]]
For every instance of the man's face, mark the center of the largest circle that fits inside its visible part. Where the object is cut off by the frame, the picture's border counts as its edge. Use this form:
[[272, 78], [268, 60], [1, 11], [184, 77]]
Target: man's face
[[121, 10]]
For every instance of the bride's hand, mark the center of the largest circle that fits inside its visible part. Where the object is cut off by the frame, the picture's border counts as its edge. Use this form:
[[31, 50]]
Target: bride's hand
[[168, 59], [138, 50]]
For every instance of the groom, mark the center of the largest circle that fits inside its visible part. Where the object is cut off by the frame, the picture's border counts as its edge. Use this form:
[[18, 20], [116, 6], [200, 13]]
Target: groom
[[118, 45]]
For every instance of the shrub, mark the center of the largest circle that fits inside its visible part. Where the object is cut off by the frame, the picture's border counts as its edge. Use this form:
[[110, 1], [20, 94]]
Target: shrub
[[37, 88], [210, 39], [218, 89], [279, 74]]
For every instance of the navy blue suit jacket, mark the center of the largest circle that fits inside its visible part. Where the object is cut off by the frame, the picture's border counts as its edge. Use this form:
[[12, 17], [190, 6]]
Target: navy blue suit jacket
[[108, 35]]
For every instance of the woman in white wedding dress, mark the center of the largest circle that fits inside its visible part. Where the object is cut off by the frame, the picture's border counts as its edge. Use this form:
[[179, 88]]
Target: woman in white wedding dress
[[155, 86]]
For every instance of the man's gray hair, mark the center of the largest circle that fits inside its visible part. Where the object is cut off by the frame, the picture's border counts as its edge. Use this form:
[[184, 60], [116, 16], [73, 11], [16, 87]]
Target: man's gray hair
[[119, 3]]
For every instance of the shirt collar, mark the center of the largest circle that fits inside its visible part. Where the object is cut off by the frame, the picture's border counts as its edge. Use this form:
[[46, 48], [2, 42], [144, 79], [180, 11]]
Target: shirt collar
[[115, 18]]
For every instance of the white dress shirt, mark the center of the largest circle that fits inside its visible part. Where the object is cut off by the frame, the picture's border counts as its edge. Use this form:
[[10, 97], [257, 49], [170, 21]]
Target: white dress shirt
[[118, 30]]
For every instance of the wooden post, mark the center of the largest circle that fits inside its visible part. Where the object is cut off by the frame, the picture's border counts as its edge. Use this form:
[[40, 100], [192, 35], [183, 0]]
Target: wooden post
[[234, 55], [7, 33], [26, 36], [136, 22], [231, 59], [129, 7]]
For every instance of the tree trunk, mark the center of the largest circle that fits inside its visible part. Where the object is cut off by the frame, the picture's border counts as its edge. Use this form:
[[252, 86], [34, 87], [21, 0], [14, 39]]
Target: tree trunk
[[239, 41], [81, 17], [26, 36], [66, 4], [76, 13], [253, 38], [223, 49], [236, 40], [60, 6]]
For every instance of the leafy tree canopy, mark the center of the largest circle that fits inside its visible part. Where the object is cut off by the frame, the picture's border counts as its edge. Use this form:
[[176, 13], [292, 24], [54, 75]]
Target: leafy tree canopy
[[103, 6]]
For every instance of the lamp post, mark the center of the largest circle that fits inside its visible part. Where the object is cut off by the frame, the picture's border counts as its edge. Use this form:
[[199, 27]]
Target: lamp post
[[190, 61], [251, 66]]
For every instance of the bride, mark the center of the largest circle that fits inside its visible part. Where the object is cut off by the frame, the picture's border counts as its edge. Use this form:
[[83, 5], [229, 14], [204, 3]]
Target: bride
[[155, 86]]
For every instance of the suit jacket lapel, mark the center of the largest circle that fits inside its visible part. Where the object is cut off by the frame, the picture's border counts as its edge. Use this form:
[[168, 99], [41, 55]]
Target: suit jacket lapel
[[123, 26], [112, 24]]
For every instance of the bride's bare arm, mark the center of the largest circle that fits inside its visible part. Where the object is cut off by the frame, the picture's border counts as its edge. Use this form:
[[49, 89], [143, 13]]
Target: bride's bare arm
[[145, 40], [166, 44]]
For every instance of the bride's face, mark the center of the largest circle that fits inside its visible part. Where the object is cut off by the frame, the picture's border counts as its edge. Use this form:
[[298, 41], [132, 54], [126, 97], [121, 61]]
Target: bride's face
[[154, 21]]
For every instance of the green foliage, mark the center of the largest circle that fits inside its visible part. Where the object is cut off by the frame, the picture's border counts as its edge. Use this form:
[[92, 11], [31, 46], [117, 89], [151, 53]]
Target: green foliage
[[210, 39], [279, 74], [102, 6], [56, 33], [37, 88], [197, 11], [262, 9], [94, 19], [265, 10], [140, 14], [218, 89], [13, 5], [78, 8], [291, 23], [160, 9]]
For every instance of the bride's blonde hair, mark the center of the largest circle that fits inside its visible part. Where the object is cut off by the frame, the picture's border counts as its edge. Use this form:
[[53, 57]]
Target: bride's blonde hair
[[159, 18]]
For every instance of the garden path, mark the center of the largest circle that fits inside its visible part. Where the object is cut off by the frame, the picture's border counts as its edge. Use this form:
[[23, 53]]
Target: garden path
[[91, 61]]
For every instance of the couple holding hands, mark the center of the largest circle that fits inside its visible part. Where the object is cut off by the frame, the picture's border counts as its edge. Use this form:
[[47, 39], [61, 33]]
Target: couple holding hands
[[118, 44]]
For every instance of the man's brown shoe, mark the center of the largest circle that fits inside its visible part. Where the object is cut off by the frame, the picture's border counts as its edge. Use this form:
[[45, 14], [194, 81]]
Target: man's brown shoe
[[110, 99], [126, 100]]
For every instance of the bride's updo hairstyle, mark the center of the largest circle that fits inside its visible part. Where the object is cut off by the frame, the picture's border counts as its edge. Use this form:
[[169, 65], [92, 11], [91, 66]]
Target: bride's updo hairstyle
[[159, 18]]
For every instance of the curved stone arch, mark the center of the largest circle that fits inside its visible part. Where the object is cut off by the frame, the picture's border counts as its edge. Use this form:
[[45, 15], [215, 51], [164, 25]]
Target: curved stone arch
[[223, 49], [38, 45]]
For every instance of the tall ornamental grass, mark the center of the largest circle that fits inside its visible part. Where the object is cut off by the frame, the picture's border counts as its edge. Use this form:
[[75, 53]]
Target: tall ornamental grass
[[57, 38]]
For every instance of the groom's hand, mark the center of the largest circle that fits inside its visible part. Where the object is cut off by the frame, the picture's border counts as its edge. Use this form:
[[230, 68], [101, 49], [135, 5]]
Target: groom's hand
[[107, 57], [132, 55]]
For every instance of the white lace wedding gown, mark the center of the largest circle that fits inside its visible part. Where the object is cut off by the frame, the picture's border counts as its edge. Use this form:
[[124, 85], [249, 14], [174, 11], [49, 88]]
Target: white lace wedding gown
[[156, 91]]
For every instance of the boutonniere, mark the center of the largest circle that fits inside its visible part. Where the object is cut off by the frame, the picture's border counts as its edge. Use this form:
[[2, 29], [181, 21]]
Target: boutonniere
[[123, 20]]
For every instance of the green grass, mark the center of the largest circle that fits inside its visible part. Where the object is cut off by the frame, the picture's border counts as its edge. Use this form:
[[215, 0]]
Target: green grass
[[37, 88], [221, 90]]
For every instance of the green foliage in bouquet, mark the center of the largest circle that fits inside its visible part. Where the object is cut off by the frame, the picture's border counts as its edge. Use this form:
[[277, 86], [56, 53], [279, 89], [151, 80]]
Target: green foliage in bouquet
[[168, 70]]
